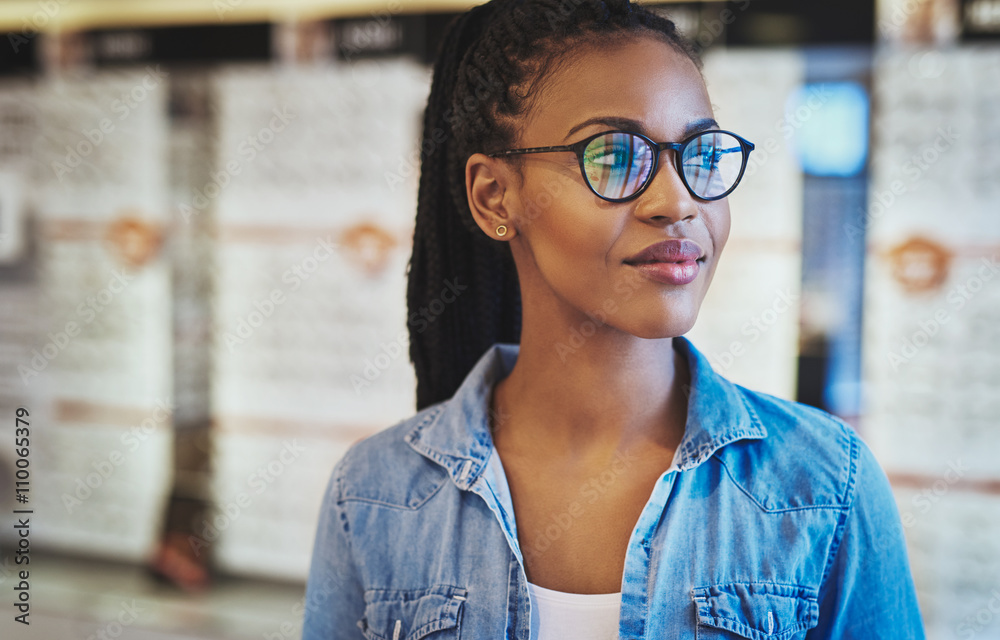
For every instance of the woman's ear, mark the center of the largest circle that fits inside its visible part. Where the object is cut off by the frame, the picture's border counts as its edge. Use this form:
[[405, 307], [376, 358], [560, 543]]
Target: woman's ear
[[487, 185]]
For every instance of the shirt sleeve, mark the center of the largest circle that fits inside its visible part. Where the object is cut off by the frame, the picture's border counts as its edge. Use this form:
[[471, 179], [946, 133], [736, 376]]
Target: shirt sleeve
[[868, 591], [334, 599]]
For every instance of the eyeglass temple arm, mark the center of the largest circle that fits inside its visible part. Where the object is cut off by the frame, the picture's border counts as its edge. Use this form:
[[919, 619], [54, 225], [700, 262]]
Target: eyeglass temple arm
[[661, 145], [508, 152]]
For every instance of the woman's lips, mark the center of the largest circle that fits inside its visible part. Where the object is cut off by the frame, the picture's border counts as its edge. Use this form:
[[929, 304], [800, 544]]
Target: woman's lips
[[670, 272]]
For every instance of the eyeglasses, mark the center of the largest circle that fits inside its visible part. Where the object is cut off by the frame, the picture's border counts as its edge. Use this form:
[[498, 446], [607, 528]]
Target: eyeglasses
[[619, 165]]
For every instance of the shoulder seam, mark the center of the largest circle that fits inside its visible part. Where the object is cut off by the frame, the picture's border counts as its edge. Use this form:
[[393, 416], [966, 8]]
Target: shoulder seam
[[850, 494], [338, 509], [748, 405]]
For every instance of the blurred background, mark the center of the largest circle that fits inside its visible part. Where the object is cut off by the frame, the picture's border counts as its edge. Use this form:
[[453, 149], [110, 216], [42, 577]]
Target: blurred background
[[206, 210]]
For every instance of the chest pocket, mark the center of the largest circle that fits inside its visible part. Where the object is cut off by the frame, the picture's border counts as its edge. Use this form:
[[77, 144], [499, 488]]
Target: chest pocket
[[408, 614], [755, 610]]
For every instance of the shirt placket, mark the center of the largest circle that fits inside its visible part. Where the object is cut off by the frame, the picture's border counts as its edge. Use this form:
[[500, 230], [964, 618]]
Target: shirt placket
[[492, 487], [638, 561]]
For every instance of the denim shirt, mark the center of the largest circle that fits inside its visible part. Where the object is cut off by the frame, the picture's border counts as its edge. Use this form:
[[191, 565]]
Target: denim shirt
[[774, 521]]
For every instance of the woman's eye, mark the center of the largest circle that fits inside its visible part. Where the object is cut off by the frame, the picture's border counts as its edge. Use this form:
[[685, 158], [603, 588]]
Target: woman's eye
[[708, 158], [605, 159], [612, 157]]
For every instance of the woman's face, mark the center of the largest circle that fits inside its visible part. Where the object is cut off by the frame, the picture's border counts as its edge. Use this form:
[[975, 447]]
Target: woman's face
[[572, 247]]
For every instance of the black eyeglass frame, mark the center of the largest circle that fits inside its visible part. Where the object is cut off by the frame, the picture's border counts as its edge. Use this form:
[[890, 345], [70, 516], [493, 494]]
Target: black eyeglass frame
[[580, 147]]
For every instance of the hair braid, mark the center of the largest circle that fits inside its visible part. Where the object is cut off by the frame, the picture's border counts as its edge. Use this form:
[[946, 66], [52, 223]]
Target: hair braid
[[487, 72]]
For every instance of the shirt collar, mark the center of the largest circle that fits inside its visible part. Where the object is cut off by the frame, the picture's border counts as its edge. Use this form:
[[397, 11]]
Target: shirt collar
[[455, 433]]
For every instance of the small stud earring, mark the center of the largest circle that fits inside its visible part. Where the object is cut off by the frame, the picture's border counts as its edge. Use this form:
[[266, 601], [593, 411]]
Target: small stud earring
[[501, 231]]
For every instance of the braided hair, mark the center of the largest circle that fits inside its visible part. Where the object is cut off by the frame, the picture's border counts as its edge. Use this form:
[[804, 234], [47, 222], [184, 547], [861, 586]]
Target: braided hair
[[462, 289]]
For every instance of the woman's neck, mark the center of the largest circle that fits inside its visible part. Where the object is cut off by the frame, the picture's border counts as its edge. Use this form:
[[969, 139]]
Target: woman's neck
[[591, 397]]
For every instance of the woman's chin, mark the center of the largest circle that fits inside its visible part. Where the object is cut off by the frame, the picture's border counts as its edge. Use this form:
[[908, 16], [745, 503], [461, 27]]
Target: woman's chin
[[661, 326]]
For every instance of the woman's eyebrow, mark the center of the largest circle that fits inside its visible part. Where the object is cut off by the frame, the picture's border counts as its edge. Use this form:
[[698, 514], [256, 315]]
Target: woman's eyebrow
[[700, 125], [634, 125], [612, 121]]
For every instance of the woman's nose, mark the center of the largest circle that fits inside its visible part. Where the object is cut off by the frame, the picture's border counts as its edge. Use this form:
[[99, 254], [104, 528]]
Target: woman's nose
[[666, 196]]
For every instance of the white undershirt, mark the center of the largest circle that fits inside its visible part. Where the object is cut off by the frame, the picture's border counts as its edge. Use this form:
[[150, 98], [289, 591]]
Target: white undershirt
[[558, 615]]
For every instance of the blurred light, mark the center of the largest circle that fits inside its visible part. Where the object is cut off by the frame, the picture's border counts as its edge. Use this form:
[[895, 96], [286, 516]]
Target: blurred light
[[830, 125]]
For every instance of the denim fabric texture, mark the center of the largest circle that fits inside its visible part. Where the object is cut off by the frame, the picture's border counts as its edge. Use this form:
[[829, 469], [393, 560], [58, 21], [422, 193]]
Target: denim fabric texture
[[773, 522]]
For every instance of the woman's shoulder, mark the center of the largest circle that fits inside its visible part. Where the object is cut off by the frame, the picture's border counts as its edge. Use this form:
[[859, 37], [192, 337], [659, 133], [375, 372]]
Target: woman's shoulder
[[808, 458], [383, 468], [800, 423]]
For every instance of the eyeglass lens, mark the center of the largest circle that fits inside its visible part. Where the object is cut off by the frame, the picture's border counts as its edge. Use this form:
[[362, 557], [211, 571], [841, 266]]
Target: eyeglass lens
[[619, 164]]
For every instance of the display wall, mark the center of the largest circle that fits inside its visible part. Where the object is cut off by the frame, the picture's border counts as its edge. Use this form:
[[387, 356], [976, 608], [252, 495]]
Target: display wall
[[202, 274]]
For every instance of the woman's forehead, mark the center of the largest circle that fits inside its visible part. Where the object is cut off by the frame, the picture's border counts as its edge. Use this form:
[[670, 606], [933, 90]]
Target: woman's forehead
[[645, 80]]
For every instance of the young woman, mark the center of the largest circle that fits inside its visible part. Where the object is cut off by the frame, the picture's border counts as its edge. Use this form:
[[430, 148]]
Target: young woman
[[576, 469]]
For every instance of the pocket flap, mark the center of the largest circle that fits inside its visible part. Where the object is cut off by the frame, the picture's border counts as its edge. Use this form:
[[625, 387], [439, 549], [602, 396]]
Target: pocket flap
[[408, 614], [757, 610]]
